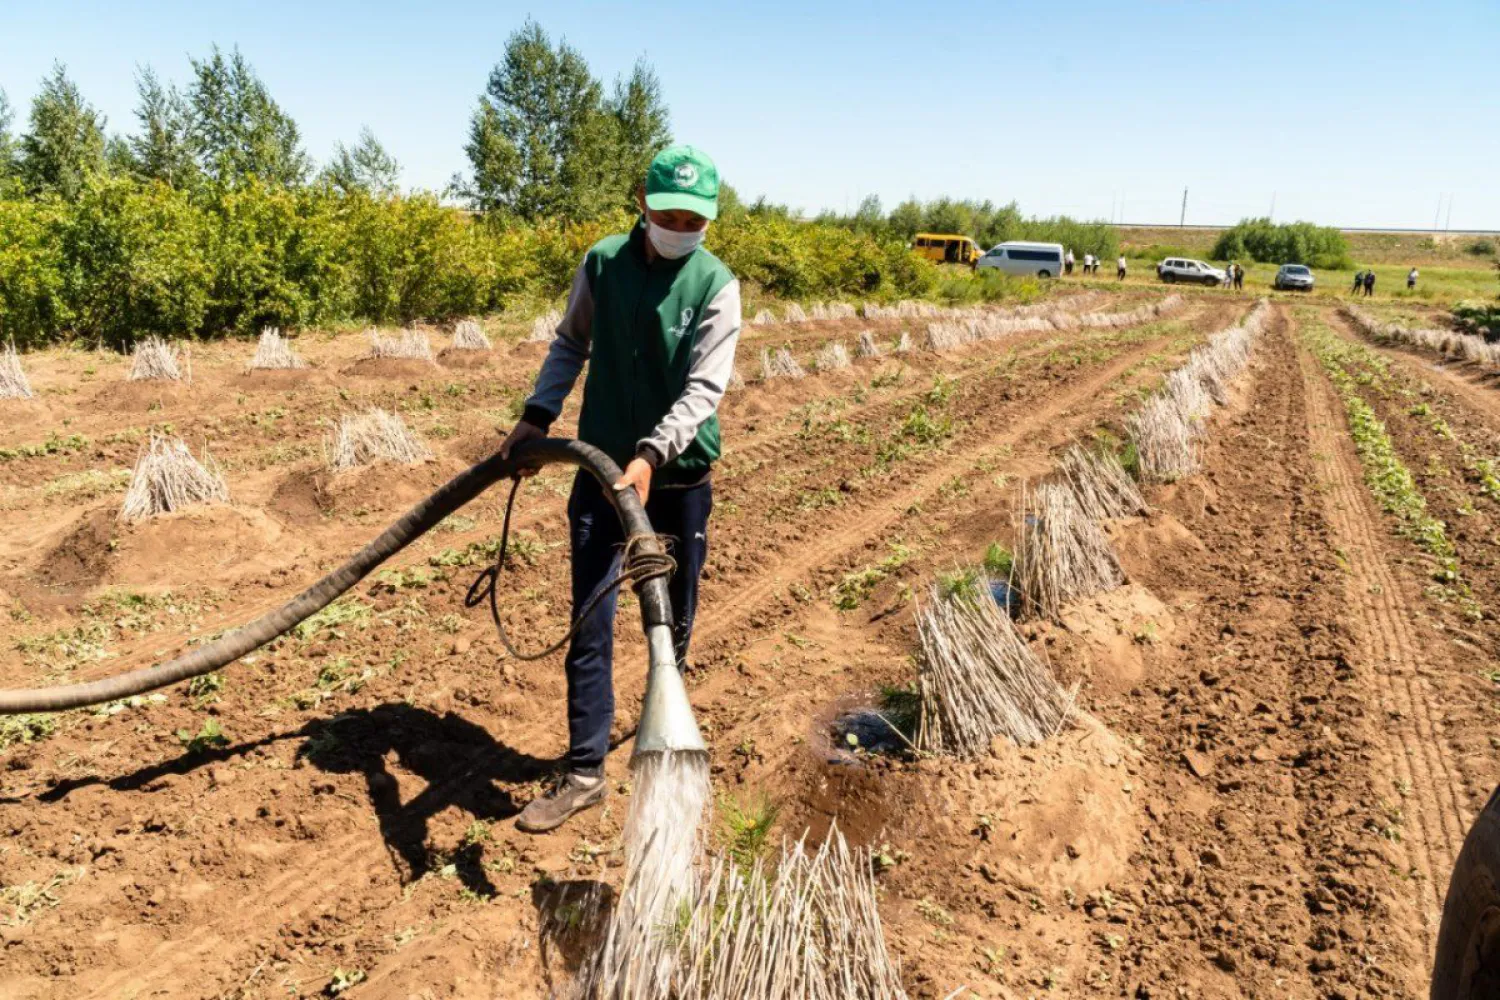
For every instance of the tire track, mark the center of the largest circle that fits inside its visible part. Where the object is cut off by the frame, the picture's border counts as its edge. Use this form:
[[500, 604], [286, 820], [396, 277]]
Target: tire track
[[1395, 654]]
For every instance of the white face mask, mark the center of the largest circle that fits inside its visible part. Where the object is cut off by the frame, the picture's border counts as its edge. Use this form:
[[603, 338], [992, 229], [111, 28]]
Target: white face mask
[[673, 245]]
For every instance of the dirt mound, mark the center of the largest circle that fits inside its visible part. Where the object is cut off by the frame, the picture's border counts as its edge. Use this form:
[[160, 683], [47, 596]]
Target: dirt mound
[[302, 497], [384, 486], [390, 368], [1106, 640], [144, 395], [276, 379], [1153, 549], [82, 557], [211, 544], [465, 360]]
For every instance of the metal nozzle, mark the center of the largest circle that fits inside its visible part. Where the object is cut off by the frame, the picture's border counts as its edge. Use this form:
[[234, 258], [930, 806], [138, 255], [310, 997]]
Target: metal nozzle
[[667, 721]]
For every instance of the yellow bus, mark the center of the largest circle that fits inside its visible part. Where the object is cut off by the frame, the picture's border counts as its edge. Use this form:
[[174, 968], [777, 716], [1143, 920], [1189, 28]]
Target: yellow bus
[[946, 248]]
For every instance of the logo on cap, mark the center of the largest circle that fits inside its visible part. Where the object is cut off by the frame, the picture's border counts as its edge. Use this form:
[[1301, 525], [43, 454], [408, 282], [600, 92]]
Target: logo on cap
[[686, 175]]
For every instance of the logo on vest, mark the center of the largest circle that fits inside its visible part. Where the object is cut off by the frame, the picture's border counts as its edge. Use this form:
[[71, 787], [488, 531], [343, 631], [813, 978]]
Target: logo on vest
[[686, 175], [681, 329]]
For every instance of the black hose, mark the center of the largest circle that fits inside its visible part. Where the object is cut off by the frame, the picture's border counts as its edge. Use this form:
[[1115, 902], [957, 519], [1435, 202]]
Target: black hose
[[656, 609]]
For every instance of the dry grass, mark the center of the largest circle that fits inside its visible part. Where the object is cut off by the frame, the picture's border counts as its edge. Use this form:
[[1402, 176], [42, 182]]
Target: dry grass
[[793, 313], [804, 925], [1167, 428], [978, 679], [1165, 444], [155, 359], [779, 364], [867, 347], [832, 311], [468, 335], [362, 438], [764, 317], [905, 309], [13, 382], [833, 356], [1451, 344], [274, 351], [736, 380], [167, 478], [408, 345], [1100, 484], [544, 327], [903, 343], [1061, 554]]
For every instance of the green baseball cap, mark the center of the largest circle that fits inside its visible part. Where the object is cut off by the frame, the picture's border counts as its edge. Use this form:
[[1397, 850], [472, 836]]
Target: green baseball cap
[[683, 177]]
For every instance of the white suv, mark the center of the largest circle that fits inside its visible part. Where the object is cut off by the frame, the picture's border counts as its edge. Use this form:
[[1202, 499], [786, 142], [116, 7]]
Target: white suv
[[1183, 269]]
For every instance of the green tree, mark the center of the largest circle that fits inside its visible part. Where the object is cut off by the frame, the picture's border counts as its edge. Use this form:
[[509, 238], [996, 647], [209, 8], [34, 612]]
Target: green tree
[[541, 142], [7, 140], [162, 151], [643, 123], [869, 217], [906, 219], [366, 167], [235, 128], [65, 144]]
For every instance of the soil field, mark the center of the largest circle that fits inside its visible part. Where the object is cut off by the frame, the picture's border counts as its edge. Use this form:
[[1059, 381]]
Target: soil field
[[1286, 721]]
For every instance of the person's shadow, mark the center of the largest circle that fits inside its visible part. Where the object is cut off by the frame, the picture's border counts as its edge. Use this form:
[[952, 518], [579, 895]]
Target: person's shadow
[[460, 761]]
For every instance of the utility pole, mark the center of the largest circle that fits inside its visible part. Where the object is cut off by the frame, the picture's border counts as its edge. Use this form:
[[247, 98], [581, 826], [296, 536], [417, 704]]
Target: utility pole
[[1182, 221], [1438, 214], [1448, 219]]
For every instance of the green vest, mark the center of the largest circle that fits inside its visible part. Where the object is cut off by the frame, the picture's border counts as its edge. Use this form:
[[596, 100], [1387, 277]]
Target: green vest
[[641, 344]]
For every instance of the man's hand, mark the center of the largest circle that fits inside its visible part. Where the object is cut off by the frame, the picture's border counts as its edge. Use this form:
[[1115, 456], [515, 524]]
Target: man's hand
[[523, 431], [637, 474]]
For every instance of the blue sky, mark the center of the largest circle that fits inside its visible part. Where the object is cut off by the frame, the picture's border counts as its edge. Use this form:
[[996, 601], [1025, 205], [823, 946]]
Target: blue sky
[[1348, 114]]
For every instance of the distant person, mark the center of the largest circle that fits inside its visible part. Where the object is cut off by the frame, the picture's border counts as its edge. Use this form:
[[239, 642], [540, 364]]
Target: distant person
[[1359, 282], [1228, 281], [1239, 278], [1120, 268], [1068, 263], [1088, 263], [1411, 280], [1370, 282]]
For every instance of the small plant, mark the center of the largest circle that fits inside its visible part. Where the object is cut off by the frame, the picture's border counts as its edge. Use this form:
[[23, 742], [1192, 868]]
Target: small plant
[[477, 833], [998, 562], [342, 981], [26, 728], [208, 737], [205, 688], [747, 827]]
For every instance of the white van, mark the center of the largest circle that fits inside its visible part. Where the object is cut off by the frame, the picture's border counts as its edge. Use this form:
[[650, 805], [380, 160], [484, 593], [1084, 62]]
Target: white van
[[1041, 260]]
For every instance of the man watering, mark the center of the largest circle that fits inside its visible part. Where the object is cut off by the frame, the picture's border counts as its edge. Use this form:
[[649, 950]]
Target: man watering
[[657, 318]]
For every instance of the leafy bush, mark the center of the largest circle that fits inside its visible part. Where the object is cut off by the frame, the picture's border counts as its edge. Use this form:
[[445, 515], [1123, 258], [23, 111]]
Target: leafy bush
[[1481, 248], [1283, 243], [131, 258], [1482, 318]]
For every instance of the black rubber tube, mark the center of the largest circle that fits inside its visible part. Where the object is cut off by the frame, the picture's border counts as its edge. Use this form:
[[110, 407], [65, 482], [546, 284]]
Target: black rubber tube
[[655, 605]]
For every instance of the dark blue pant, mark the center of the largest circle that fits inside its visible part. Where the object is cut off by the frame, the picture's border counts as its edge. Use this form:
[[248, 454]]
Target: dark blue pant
[[680, 514]]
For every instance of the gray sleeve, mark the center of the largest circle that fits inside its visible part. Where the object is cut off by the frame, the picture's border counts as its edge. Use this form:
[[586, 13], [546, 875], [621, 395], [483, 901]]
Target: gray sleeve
[[569, 350], [709, 370]]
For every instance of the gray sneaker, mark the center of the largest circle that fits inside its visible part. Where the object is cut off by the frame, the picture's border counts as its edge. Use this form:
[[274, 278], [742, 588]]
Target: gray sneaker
[[573, 793]]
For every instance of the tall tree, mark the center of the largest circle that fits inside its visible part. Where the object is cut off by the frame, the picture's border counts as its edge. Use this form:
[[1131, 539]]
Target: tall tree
[[366, 167], [541, 142], [65, 144], [161, 151], [7, 139], [644, 127], [236, 130]]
